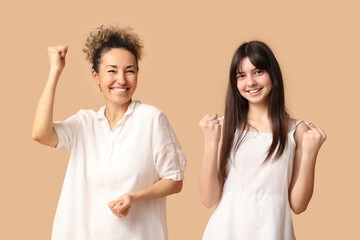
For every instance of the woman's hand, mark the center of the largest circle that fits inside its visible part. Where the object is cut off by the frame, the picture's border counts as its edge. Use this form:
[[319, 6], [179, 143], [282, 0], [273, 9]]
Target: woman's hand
[[312, 141], [159, 189], [211, 128], [57, 57], [121, 206], [43, 131]]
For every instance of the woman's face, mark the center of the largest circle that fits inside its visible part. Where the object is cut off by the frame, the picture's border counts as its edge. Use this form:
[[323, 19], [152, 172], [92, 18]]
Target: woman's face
[[117, 76], [253, 84]]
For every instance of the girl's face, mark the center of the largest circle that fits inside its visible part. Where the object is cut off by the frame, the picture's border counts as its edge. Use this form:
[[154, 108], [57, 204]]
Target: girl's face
[[117, 76], [253, 84]]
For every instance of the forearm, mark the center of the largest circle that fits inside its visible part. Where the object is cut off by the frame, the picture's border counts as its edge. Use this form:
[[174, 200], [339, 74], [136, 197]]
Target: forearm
[[302, 191], [210, 183], [161, 188], [42, 130]]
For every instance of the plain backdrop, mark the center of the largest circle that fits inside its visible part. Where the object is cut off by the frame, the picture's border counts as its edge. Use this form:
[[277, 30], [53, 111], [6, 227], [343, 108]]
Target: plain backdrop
[[184, 72]]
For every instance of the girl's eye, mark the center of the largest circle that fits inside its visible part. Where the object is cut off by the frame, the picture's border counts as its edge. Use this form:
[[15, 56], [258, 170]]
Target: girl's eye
[[259, 72], [240, 76]]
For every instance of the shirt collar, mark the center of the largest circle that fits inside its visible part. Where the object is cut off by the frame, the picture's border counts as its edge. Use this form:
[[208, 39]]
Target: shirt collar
[[101, 113]]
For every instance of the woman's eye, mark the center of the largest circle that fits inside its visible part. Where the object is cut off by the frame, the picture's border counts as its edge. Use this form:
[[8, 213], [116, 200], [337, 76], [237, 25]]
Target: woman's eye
[[130, 71], [259, 72], [111, 71]]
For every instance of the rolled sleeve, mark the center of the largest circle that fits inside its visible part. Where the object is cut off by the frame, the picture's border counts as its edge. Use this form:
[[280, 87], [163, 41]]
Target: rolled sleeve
[[66, 131], [170, 160]]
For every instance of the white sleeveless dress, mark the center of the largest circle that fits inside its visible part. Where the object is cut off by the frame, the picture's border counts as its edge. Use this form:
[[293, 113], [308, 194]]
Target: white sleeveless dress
[[255, 202]]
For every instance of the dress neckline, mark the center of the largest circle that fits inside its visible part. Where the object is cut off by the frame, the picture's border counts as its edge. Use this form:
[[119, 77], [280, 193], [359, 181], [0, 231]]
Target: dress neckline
[[294, 123]]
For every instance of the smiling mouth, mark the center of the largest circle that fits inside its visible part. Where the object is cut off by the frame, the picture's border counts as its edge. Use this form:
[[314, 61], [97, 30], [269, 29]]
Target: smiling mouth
[[119, 90], [255, 91]]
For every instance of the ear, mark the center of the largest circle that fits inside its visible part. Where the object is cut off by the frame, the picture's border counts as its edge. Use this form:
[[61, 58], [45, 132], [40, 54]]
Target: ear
[[95, 77]]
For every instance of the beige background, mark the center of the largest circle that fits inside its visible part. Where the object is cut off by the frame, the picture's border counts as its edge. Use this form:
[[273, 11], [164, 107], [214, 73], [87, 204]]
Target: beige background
[[188, 49]]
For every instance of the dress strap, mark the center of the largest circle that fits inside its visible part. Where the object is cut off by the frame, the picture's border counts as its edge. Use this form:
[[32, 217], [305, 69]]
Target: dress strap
[[297, 122]]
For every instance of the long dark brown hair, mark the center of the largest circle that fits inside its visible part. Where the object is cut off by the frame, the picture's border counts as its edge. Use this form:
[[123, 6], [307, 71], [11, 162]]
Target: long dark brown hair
[[236, 106]]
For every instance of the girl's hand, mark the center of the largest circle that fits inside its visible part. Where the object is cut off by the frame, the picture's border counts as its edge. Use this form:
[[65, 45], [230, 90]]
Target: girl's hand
[[57, 57], [121, 206], [211, 128], [312, 141]]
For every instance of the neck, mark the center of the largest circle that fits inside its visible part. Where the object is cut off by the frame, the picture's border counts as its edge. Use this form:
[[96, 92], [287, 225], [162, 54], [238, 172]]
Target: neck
[[115, 112], [258, 111], [258, 117]]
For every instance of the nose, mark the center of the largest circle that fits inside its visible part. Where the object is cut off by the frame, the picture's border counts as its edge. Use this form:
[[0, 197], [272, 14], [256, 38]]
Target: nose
[[251, 81], [121, 78]]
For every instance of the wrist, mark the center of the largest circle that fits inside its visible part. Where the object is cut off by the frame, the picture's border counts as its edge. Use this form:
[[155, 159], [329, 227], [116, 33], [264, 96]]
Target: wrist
[[309, 157], [132, 196], [56, 69], [54, 74], [212, 142]]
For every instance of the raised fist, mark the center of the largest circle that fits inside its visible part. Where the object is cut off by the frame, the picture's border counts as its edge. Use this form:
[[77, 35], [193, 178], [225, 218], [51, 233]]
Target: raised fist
[[57, 57]]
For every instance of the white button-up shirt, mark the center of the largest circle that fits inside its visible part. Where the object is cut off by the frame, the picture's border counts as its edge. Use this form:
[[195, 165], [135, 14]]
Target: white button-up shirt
[[104, 164]]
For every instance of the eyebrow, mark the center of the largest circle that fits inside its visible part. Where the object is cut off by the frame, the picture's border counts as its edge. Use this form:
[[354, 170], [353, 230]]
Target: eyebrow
[[251, 70], [130, 66], [114, 66]]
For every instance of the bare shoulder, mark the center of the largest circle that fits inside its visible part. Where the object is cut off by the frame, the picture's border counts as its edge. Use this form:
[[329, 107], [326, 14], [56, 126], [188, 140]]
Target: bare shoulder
[[301, 128]]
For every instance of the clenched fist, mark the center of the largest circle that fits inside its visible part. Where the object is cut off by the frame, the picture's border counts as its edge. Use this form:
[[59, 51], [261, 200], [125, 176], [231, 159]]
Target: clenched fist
[[57, 57], [121, 206], [312, 141], [211, 128]]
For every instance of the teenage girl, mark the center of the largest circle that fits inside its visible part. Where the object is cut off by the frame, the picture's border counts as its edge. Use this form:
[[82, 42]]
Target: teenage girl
[[124, 158], [260, 163]]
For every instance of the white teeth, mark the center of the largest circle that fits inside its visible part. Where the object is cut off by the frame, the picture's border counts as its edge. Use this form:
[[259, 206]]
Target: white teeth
[[254, 91], [120, 90]]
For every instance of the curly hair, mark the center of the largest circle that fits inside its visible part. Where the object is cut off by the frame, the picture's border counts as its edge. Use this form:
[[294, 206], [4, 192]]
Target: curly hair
[[103, 39]]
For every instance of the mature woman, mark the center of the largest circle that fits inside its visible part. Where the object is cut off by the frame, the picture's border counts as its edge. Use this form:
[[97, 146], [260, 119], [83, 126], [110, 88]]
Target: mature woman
[[124, 159]]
